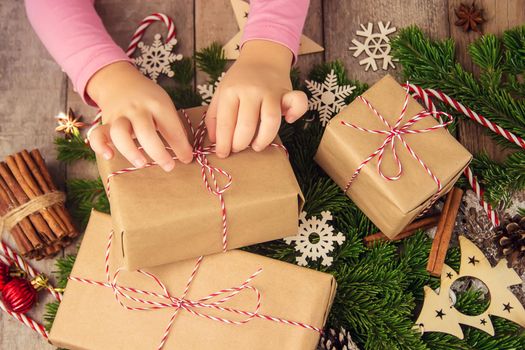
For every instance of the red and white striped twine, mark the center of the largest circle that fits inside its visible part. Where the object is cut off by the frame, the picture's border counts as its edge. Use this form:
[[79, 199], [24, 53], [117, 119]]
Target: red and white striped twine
[[425, 94], [9, 256], [164, 299], [394, 133], [208, 172]]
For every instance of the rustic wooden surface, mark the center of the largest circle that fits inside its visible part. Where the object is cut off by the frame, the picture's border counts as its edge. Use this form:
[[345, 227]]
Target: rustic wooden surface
[[34, 89]]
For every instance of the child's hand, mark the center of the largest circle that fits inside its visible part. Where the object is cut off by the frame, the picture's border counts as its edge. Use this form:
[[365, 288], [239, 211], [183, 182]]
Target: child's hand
[[132, 105], [252, 97]]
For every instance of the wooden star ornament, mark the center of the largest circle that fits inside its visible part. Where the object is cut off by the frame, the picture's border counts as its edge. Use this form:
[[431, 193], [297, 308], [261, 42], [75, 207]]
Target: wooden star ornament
[[69, 124], [439, 314], [469, 17], [232, 47]]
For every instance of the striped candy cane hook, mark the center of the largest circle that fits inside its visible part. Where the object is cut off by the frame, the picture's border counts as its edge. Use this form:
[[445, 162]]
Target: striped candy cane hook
[[144, 24], [9, 256], [425, 95]]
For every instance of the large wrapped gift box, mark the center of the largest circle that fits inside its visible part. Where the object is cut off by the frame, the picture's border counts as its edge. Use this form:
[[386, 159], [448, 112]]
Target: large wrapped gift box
[[167, 217], [89, 317], [391, 205]]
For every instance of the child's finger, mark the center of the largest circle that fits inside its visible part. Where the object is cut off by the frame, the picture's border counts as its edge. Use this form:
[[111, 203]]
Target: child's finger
[[170, 126], [121, 137], [247, 121], [211, 117], [294, 105], [270, 123], [146, 133], [226, 120], [99, 141]]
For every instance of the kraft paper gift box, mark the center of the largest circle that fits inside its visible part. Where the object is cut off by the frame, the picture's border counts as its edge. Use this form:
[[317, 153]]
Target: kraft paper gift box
[[391, 205], [89, 317], [167, 217]]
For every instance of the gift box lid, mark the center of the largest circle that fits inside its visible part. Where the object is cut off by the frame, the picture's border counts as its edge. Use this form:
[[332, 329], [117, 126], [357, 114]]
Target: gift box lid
[[349, 147], [89, 317]]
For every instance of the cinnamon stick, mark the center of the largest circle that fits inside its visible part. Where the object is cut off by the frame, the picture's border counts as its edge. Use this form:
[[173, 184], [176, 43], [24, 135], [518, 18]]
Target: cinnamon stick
[[26, 227], [16, 232], [421, 224], [36, 219], [43, 188], [50, 186], [439, 231], [446, 233], [23, 180]]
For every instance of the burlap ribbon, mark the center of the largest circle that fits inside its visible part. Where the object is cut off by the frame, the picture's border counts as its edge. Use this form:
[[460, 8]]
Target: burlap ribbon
[[13, 217]]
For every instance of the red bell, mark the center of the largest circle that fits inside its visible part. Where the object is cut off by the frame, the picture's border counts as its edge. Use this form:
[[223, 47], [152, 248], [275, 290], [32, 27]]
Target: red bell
[[19, 295]]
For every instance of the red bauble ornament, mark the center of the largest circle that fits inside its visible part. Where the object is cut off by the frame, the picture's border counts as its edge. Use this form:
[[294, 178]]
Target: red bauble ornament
[[19, 295], [4, 275]]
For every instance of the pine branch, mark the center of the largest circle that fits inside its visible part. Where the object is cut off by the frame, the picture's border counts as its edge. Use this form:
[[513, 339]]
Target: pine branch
[[212, 61], [500, 181], [50, 313], [183, 94], [63, 266], [73, 149], [86, 195], [432, 64], [183, 71]]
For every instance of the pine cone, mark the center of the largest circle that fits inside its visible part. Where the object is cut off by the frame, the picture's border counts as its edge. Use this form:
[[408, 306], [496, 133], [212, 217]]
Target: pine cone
[[334, 340], [511, 239]]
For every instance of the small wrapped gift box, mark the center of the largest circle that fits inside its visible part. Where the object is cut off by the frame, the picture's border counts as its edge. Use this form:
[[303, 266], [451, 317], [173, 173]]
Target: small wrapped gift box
[[167, 217], [233, 300], [391, 188]]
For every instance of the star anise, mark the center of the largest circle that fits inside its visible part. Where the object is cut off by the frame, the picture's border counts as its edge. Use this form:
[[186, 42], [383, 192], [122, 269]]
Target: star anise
[[469, 17], [69, 124]]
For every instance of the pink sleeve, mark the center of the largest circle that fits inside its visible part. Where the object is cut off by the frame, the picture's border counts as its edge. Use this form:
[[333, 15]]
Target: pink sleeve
[[75, 36], [280, 21]]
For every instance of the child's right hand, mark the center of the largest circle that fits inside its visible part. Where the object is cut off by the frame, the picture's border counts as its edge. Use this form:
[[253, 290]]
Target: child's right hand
[[134, 106]]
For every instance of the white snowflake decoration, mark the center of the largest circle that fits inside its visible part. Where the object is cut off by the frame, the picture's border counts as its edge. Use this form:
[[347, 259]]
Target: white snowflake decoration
[[328, 98], [376, 46], [318, 230], [157, 58], [207, 90]]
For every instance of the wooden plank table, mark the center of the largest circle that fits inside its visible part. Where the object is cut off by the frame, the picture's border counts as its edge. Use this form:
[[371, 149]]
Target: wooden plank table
[[34, 89]]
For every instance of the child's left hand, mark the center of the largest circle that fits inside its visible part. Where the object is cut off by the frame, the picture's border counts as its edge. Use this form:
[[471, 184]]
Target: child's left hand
[[252, 97]]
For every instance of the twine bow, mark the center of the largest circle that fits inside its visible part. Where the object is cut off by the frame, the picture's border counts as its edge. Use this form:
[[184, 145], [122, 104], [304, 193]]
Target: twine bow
[[209, 172], [394, 133], [168, 301]]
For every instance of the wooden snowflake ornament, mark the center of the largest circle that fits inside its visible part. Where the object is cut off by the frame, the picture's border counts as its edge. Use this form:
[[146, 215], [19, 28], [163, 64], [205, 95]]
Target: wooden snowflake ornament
[[328, 98], [438, 315], [232, 47], [207, 90], [315, 239], [376, 46], [157, 58]]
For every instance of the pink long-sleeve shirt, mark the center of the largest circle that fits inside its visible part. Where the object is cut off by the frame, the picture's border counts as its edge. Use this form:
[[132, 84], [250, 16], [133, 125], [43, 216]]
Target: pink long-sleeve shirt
[[75, 36]]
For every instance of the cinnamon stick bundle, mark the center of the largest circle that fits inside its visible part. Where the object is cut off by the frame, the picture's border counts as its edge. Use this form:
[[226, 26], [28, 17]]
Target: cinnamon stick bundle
[[31, 204]]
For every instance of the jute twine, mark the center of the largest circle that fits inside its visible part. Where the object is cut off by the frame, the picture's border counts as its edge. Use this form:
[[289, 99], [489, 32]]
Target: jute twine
[[13, 217]]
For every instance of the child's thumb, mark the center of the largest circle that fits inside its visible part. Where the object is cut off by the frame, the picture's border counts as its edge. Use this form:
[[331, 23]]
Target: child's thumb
[[293, 105]]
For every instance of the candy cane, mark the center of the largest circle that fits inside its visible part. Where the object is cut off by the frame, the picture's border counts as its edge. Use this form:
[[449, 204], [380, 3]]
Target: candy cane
[[10, 256], [26, 320], [425, 94], [144, 24]]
